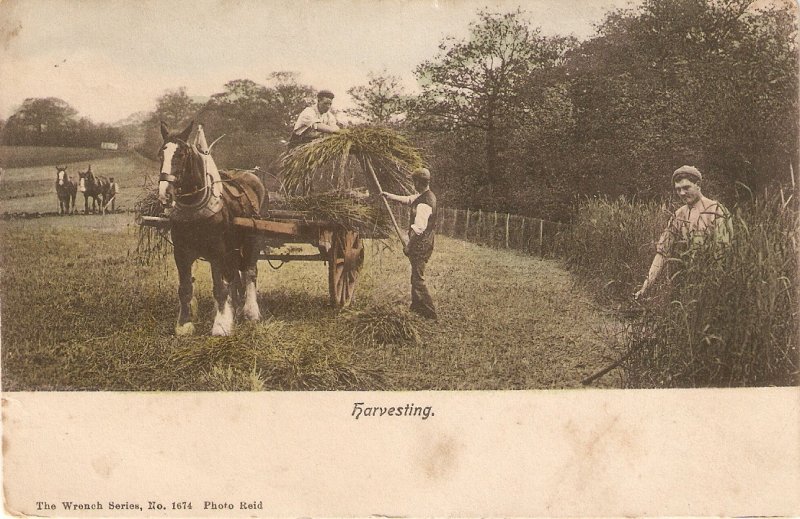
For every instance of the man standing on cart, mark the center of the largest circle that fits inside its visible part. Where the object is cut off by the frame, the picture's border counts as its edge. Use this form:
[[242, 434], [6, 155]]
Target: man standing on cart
[[419, 247], [315, 121]]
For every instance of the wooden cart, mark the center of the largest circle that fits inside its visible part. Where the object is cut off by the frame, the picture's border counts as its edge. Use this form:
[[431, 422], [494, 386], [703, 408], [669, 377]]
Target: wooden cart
[[342, 249]]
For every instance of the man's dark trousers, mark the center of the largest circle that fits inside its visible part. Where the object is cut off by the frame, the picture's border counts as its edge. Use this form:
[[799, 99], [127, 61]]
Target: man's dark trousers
[[421, 301]]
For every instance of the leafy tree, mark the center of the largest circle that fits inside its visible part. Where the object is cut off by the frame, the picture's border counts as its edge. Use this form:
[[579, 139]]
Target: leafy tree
[[247, 106], [175, 108], [476, 84], [40, 121], [685, 81], [382, 100], [242, 106], [287, 98]]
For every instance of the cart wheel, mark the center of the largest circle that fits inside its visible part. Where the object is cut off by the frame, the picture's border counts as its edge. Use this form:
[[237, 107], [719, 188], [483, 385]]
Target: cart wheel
[[347, 256]]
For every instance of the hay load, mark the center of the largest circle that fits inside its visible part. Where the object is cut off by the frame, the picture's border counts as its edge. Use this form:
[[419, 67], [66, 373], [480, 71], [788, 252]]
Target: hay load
[[334, 159]]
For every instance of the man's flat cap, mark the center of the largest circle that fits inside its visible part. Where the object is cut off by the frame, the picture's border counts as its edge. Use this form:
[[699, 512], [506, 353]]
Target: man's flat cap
[[325, 93], [422, 173], [690, 171]]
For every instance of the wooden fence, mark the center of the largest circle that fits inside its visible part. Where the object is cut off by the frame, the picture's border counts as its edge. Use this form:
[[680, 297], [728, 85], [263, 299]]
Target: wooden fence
[[497, 230]]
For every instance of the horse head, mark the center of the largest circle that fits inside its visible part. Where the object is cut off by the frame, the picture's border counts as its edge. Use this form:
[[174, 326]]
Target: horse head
[[182, 172], [61, 175], [82, 180]]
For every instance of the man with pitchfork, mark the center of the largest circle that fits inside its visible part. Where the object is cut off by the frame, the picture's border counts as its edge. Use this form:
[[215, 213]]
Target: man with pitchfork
[[419, 246]]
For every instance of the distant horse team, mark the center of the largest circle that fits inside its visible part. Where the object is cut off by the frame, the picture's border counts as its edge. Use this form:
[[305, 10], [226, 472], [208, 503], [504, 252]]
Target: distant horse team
[[99, 188], [96, 187]]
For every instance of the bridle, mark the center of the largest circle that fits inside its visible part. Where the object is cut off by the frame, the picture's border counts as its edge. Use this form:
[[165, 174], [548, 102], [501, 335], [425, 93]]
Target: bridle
[[186, 155]]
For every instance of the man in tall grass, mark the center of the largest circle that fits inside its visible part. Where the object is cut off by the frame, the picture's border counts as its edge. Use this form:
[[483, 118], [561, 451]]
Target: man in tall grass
[[700, 217], [419, 247]]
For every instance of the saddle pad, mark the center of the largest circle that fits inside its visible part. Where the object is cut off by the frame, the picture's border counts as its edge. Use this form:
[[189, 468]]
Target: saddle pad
[[237, 190]]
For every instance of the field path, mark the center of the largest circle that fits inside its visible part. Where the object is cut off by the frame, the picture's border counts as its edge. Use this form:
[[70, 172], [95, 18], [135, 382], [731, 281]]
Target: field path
[[507, 320]]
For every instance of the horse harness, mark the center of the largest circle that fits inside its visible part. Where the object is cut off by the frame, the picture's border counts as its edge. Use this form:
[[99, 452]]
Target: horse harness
[[211, 203]]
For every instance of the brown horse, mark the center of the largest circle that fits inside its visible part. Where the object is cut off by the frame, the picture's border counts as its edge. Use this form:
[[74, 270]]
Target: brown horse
[[204, 202], [66, 191], [95, 187]]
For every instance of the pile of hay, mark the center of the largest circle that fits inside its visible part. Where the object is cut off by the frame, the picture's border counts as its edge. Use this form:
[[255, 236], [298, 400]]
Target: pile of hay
[[383, 324], [382, 150], [152, 242], [345, 208]]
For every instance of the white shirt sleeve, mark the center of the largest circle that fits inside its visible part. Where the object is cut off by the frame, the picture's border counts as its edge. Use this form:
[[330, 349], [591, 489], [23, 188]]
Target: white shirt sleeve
[[306, 118], [405, 199], [421, 220]]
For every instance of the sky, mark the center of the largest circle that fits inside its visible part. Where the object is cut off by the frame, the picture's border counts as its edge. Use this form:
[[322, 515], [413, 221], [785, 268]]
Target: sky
[[111, 58]]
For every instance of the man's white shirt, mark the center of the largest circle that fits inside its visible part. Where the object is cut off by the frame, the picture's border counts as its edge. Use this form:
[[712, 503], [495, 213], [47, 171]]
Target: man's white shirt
[[424, 212], [311, 116]]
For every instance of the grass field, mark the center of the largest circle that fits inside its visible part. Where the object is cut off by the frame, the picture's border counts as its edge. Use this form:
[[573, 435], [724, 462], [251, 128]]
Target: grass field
[[31, 156], [81, 312]]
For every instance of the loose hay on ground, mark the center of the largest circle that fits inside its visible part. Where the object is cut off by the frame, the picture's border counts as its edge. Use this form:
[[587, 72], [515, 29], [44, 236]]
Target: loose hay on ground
[[384, 324], [152, 242]]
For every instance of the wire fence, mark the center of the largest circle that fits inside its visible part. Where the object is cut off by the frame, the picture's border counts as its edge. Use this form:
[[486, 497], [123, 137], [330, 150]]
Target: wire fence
[[496, 230]]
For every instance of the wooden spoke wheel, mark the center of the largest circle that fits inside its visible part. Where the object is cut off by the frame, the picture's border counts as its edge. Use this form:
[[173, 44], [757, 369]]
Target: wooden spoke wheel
[[346, 258]]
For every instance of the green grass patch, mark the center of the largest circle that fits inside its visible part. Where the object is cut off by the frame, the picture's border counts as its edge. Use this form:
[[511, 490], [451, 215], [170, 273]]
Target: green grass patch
[[32, 156], [80, 313]]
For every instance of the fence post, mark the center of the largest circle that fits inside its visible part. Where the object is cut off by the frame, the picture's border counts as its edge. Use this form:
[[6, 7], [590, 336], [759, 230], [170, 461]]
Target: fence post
[[466, 225], [494, 228], [508, 217], [541, 237], [480, 226], [522, 236]]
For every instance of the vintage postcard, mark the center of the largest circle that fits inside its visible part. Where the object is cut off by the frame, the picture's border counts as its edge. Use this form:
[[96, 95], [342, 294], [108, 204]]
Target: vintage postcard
[[399, 258]]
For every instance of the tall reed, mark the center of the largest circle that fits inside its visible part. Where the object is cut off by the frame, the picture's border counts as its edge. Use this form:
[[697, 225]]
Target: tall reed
[[722, 316]]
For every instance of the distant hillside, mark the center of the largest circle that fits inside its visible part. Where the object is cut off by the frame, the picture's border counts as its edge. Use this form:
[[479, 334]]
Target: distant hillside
[[136, 118]]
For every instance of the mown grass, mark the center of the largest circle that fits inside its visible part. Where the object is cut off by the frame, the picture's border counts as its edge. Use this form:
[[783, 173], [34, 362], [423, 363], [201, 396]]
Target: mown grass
[[32, 156], [719, 317], [79, 313]]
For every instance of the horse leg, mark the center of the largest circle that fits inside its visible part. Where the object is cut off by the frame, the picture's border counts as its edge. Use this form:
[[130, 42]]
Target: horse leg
[[250, 253], [188, 304], [85, 204], [222, 276]]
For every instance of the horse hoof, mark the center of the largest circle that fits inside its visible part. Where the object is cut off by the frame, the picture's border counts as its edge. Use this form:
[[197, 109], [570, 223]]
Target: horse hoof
[[184, 330], [220, 331], [251, 314]]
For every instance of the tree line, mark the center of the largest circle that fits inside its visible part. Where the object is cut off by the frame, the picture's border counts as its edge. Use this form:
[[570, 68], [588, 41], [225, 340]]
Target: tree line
[[515, 121], [53, 122]]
